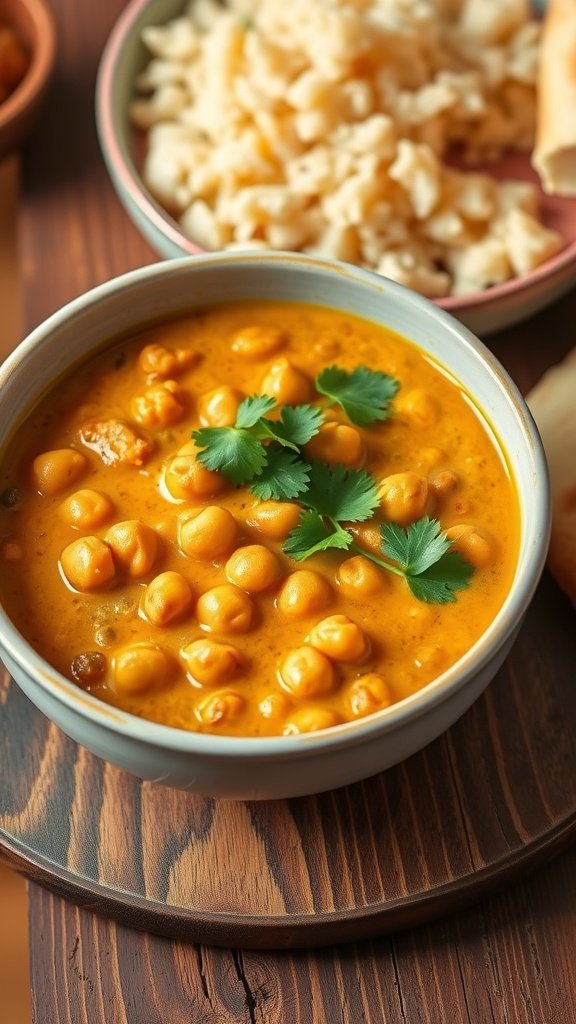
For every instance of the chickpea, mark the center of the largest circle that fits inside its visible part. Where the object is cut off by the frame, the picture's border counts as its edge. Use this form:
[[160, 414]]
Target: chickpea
[[141, 667], [218, 408], [88, 563], [404, 497], [211, 663], [431, 457], [368, 694], [208, 534], [186, 478], [54, 471], [339, 638], [475, 544], [220, 708], [89, 668], [225, 609], [274, 707], [311, 720], [158, 362], [258, 342], [306, 673], [162, 405], [337, 444], [443, 483], [253, 568], [358, 577], [286, 383], [304, 593], [167, 598], [419, 406], [368, 536], [86, 509], [135, 546], [275, 519]]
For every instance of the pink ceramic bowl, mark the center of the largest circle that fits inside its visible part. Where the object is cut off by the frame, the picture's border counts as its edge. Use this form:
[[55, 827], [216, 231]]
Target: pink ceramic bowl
[[124, 56]]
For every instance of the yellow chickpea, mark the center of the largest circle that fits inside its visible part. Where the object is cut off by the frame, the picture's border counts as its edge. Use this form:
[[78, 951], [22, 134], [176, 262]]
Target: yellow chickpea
[[208, 534], [306, 673], [86, 509], [186, 478], [141, 667], [311, 720], [443, 483], [274, 519], [135, 546], [304, 593], [258, 342], [162, 405], [211, 663], [368, 694], [339, 638], [158, 362], [167, 598], [337, 444], [225, 609], [54, 471], [286, 383], [358, 577], [253, 568], [431, 458], [88, 563], [368, 536], [218, 408], [419, 406], [274, 707], [220, 708], [475, 544], [404, 497]]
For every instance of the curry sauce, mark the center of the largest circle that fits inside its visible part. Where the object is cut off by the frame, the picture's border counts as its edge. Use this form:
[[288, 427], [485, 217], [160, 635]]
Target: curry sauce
[[163, 588]]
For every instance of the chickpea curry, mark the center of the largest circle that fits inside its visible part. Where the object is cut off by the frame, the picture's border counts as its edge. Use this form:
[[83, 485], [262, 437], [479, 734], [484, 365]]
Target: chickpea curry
[[258, 519]]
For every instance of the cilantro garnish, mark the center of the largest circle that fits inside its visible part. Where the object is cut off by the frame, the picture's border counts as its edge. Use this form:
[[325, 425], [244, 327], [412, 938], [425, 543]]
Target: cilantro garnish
[[266, 454], [364, 395]]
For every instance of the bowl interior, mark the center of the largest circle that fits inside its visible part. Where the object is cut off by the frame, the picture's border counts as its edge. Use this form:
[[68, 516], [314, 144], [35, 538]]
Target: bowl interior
[[172, 287], [123, 147]]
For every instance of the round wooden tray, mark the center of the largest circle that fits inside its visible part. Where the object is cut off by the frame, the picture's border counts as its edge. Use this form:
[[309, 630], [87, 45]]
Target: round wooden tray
[[494, 796]]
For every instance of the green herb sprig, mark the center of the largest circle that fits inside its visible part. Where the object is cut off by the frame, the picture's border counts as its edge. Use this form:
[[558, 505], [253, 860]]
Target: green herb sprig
[[267, 454]]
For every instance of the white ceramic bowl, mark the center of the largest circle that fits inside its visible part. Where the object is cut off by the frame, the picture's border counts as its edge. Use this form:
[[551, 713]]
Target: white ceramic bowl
[[124, 57], [292, 765]]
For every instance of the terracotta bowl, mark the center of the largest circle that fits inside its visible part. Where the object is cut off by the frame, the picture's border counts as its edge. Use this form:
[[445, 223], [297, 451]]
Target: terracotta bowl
[[34, 26]]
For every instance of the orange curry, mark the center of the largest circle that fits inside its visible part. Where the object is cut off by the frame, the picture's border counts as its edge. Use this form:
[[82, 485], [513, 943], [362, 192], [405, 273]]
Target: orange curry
[[161, 587]]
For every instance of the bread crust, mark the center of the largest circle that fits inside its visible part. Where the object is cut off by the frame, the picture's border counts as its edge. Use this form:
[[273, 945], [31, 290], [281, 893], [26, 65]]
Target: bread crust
[[553, 405]]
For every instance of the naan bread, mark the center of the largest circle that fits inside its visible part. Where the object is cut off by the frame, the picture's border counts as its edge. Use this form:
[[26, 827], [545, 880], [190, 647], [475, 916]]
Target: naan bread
[[554, 156], [553, 405]]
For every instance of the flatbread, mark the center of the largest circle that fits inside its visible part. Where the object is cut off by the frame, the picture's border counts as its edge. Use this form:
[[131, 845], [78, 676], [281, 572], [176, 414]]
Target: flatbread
[[553, 405], [554, 154]]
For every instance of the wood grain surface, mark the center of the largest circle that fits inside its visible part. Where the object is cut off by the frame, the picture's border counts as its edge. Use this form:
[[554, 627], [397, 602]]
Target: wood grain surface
[[491, 799]]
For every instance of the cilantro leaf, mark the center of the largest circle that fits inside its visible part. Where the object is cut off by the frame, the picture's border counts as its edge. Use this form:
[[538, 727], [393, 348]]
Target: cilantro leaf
[[312, 535], [347, 495], [363, 394], [416, 548], [236, 453], [283, 477], [297, 424], [252, 409], [437, 583]]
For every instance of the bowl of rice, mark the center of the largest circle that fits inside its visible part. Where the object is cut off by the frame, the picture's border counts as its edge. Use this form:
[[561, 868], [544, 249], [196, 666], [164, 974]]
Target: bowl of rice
[[394, 136]]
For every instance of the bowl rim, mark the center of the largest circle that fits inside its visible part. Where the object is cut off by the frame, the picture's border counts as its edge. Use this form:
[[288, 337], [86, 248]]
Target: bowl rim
[[531, 558], [125, 176], [42, 60]]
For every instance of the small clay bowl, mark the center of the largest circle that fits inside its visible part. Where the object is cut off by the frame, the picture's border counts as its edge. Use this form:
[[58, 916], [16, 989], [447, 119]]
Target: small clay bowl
[[33, 24]]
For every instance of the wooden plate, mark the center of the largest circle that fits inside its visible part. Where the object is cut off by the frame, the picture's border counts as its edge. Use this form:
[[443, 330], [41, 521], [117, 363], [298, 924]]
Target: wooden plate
[[493, 797]]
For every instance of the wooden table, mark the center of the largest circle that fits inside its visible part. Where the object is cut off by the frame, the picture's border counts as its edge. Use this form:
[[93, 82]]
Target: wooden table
[[508, 959]]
